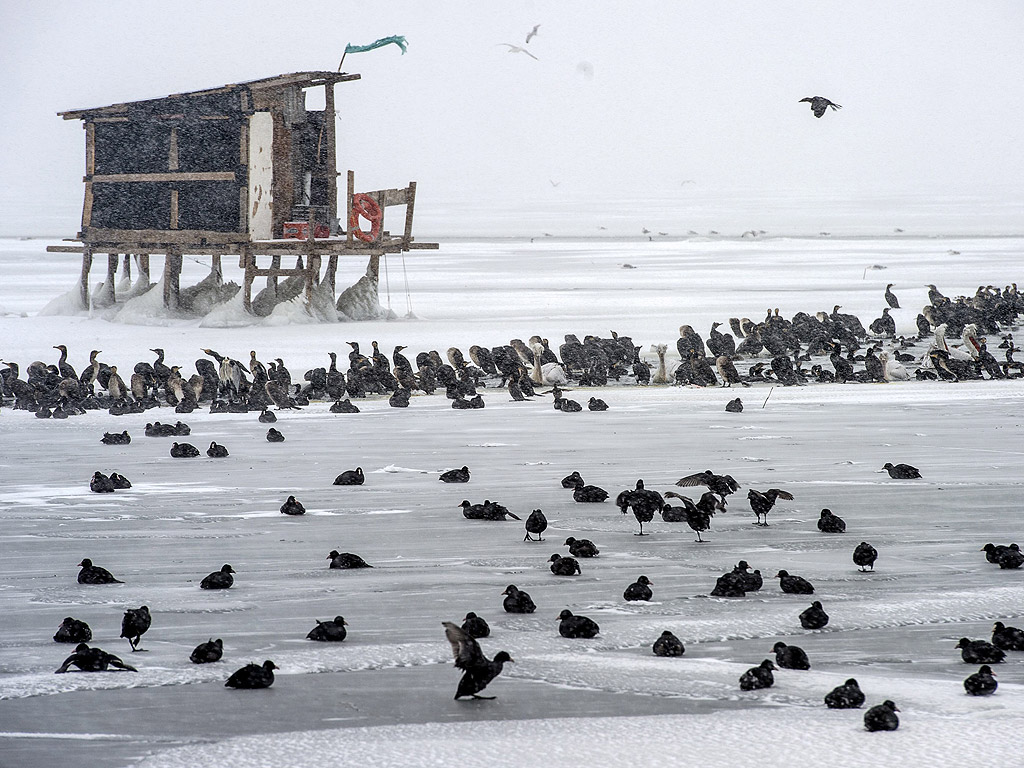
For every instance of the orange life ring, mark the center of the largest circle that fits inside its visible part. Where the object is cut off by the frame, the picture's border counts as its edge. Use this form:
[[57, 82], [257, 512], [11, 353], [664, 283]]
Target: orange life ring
[[365, 206]]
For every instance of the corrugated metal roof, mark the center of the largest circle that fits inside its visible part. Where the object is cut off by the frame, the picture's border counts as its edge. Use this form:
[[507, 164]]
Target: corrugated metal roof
[[300, 79]]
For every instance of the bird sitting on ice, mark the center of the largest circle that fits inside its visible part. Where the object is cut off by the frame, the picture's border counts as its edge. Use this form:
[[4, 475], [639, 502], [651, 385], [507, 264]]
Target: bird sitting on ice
[[893, 370], [546, 373], [660, 375]]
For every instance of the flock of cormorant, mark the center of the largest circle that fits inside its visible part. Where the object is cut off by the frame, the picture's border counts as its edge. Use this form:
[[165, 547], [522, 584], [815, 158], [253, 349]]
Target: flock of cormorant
[[229, 385]]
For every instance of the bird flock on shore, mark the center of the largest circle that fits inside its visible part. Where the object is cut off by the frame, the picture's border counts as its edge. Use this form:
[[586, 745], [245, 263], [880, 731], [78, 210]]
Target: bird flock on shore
[[772, 351]]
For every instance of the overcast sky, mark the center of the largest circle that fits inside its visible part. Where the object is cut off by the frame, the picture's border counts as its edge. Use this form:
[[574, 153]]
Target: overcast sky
[[623, 96]]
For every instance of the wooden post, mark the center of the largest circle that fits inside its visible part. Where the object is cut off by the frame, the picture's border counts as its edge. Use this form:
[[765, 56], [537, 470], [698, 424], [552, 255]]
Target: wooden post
[[275, 263], [330, 154], [126, 267], [332, 272], [215, 264], [172, 277], [144, 266], [108, 287], [86, 265], [248, 262]]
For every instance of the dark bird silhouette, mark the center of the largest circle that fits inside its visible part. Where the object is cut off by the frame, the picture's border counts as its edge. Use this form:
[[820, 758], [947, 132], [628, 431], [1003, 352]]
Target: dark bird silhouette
[[790, 656], [208, 652], [475, 626], [217, 451], [350, 477], [882, 717], [845, 696], [274, 436], [758, 677], [221, 579], [668, 645], [1006, 557], [819, 104], [564, 566], [115, 438], [722, 485], [597, 404], [292, 506], [346, 560], [794, 585], [477, 670], [581, 547], [813, 617], [902, 471], [980, 652], [831, 523], [134, 625], [100, 483], [573, 480], [329, 631], [644, 504], [184, 451], [751, 582], [576, 626], [981, 683], [762, 503], [536, 523], [253, 676], [697, 516], [267, 417], [73, 630], [517, 601], [94, 574], [1007, 638], [93, 660], [639, 590], [734, 406], [865, 555], [455, 476], [532, 33], [890, 297], [589, 494]]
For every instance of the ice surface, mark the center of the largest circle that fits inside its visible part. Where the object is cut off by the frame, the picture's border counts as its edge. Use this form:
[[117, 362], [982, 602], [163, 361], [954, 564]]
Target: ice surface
[[383, 697]]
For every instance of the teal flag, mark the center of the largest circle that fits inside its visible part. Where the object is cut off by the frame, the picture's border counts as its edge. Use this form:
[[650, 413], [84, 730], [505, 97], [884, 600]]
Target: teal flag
[[398, 40]]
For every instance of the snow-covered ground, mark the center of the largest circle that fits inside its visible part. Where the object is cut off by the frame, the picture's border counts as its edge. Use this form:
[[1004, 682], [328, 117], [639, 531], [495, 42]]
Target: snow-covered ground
[[384, 696]]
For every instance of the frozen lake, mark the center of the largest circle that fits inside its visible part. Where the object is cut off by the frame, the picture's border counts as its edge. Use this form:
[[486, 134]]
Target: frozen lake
[[384, 696]]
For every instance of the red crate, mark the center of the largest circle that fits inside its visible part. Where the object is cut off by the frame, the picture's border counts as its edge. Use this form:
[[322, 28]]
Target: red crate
[[299, 230]]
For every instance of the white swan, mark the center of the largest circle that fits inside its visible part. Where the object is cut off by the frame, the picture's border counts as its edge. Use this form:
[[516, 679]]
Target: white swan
[[892, 369]]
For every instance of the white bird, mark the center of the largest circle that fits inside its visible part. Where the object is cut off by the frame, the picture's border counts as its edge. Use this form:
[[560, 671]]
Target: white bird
[[548, 373], [660, 375], [532, 33], [518, 49], [893, 370], [955, 353]]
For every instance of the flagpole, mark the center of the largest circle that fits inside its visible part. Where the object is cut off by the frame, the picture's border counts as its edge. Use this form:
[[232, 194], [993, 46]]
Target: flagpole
[[342, 58]]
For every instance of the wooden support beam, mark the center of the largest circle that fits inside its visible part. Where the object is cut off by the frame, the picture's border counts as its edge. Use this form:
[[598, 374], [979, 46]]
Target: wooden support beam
[[126, 267], [86, 265], [172, 277], [126, 177], [330, 153], [332, 272], [108, 286], [144, 266], [249, 264]]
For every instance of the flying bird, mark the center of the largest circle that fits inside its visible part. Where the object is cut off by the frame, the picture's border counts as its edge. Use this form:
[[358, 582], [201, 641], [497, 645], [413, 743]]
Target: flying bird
[[518, 49], [532, 33], [819, 105]]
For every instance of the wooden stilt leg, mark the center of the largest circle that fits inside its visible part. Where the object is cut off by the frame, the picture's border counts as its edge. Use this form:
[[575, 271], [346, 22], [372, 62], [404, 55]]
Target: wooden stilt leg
[[108, 287], [86, 265]]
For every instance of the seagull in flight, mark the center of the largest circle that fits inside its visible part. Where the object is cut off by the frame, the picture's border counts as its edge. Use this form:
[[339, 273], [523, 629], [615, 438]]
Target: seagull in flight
[[819, 105], [518, 49], [532, 34]]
